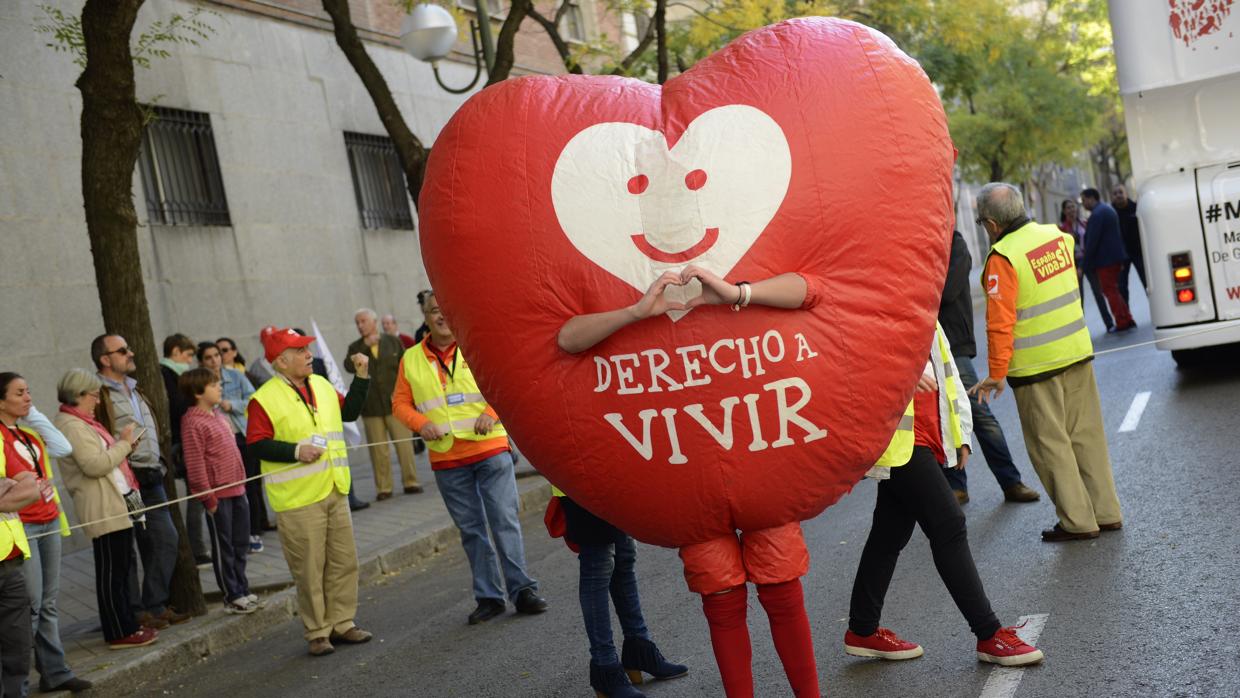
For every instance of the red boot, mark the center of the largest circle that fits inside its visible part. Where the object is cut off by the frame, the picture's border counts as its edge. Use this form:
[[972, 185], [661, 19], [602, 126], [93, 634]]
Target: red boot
[[729, 636], [785, 607]]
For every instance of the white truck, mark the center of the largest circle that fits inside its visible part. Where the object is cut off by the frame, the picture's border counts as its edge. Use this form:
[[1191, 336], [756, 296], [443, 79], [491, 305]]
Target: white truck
[[1179, 76]]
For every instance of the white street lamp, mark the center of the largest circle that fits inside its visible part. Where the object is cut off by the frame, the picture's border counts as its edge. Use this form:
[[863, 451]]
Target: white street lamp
[[428, 33]]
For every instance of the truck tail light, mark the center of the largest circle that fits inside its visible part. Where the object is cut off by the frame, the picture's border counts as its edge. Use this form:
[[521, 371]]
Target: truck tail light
[[1183, 286]]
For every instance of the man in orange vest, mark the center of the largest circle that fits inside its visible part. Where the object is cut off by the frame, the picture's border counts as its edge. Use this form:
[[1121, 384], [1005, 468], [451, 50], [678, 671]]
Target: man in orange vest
[[436, 396]]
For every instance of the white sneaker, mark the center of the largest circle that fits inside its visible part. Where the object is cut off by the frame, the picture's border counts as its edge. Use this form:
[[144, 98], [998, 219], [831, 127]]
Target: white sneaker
[[253, 598], [241, 606]]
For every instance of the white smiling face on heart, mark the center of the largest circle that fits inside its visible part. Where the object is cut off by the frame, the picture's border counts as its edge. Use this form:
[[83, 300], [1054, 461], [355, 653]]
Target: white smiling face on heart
[[638, 209]]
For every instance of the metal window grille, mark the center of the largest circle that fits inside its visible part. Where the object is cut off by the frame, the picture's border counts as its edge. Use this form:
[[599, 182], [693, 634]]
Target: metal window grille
[[181, 170], [574, 23], [378, 182]]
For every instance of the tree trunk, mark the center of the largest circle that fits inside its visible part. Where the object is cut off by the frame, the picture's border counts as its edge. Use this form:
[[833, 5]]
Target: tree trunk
[[996, 169], [410, 150], [111, 134], [505, 45], [660, 24]]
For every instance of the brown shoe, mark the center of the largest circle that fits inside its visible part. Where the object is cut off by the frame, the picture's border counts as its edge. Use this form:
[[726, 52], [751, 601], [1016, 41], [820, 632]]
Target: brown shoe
[[1111, 526], [962, 497], [382, 496], [147, 620], [321, 646], [413, 489], [1020, 492], [352, 636], [1059, 535], [175, 617]]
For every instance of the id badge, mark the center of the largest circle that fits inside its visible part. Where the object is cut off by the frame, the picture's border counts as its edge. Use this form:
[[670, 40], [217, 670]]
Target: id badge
[[318, 441], [456, 399]]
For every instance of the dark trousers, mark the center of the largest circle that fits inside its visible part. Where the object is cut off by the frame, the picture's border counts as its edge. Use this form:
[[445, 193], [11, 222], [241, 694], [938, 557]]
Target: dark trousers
[[918, 494], [229, 531], [608, 571], [989, 435], [15, 641], [157, 544], [253, 488], [1096, 287], [113, 560]]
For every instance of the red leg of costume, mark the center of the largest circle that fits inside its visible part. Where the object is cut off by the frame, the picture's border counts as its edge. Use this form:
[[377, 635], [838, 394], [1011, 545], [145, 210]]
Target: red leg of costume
[[785, 607], [729, 635]]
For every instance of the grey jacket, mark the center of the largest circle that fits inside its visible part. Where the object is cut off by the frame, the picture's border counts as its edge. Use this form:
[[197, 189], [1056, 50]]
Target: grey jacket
[[116, 409]]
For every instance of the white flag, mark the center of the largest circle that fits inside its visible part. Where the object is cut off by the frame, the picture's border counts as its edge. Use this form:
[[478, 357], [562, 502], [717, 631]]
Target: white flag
[[322, 350]]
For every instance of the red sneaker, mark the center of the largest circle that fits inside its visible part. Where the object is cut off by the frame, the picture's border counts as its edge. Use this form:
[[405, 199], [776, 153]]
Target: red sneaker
[[142, 638], [883, 644], [1007, 649]]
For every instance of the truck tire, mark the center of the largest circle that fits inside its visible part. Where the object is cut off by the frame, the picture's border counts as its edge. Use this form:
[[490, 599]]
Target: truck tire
[[1188, 358]]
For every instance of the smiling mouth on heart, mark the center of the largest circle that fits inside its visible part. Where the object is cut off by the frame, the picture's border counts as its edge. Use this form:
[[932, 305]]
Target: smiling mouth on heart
[[708, 241]]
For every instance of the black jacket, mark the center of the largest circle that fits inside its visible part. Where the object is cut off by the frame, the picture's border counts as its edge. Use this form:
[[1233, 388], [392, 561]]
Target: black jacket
[[956, 306]]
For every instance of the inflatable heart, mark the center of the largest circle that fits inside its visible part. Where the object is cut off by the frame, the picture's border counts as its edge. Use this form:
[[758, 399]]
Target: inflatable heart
[[812, 146]]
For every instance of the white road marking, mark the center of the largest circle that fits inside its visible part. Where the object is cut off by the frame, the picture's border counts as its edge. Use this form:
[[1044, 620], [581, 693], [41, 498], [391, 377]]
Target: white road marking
[[1003, 680], [1133, 417]]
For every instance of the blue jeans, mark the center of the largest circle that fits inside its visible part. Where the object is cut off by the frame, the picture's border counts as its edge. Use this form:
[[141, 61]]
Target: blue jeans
[[989, 435], [610, 570], [157, 545], [1096, 287], [42, 572], [229, 531], [479, 495]]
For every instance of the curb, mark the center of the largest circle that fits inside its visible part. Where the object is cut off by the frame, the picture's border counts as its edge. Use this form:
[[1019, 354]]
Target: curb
[[217, 632]]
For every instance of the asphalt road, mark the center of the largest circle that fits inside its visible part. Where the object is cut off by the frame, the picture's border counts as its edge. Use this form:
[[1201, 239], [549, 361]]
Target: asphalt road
[[1149, 611]]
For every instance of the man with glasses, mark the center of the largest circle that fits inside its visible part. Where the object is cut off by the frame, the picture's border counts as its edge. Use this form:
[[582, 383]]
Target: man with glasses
[[122, 403]]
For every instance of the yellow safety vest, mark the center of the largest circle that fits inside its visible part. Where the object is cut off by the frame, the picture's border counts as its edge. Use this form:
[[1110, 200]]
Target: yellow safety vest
[[453, 404], [12, 532], [1050, 330], [51, 477], [900, 451], [290, 486]]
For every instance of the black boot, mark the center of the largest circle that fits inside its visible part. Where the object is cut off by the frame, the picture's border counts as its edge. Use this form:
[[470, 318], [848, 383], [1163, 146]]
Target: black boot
[[643, 656], [609, 681]]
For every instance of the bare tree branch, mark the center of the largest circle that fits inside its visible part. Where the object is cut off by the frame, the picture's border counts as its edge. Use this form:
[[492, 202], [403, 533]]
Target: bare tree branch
[[660, 23], [627, 62], [553, 32], [505, 46]]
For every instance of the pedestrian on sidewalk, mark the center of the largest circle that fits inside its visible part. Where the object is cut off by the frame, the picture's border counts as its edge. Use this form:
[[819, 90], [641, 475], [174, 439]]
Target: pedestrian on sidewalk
[[296, 429], [1130, 231], [179, 355], [774, 558], [934, 434], [122, 403], [237, 391], [381, 426], [956, 319], [437, 397], [1038, 343], [104, 491], [16, 493], [607, 558], [212, 462], [1070, 222], [1105, 255], [27, 450], [390, 326]]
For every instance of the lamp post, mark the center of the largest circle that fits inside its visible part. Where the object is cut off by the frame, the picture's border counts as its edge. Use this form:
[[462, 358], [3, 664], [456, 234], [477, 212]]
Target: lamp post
[[428, 33]]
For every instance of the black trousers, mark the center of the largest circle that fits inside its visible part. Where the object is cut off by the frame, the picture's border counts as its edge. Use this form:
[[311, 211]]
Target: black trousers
[[917, 493], [253, 488], [15, 640], [229, 529], [113, 558]]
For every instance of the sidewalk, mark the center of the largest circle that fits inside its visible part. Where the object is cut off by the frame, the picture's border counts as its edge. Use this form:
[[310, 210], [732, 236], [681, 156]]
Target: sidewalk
[[390, 535]]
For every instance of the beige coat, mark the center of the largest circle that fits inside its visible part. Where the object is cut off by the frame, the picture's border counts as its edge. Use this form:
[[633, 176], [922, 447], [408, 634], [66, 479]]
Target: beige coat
[[88, 476]]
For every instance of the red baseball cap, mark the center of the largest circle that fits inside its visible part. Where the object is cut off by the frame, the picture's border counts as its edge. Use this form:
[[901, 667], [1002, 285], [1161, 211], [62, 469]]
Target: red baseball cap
[[276, 339]]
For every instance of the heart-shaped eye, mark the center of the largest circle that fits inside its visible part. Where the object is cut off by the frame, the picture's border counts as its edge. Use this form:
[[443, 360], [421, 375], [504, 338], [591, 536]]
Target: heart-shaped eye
[[638, 184], [695, 180]]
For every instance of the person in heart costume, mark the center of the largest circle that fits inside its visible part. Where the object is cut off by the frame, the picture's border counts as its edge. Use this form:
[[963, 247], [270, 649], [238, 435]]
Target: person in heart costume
[[549, 198]]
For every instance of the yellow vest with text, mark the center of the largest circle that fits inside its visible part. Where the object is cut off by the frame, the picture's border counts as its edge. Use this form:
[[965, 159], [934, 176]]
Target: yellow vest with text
[[900, 451], [12, 532], [453, 403], [1050, 330], [293, 485]]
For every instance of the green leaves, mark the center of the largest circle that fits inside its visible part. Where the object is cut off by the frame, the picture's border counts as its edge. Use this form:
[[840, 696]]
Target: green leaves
[[65, 32]]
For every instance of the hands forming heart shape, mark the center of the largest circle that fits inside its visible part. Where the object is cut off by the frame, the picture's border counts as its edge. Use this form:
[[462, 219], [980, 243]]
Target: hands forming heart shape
[[715, 291]]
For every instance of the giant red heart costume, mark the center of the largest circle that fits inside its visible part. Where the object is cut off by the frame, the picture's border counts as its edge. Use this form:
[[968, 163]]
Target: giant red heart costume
[[812, 146]]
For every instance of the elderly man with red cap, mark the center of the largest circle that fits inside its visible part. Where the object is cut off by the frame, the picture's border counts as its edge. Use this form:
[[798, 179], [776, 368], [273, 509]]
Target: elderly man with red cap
[[296, 430]]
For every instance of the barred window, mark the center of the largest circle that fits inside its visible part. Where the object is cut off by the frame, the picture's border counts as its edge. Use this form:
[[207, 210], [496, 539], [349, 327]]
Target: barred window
[[181, 170], [378, 182]]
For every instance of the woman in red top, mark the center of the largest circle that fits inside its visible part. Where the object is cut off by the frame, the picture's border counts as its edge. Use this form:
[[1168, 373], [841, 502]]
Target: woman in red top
[[45, 523]]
